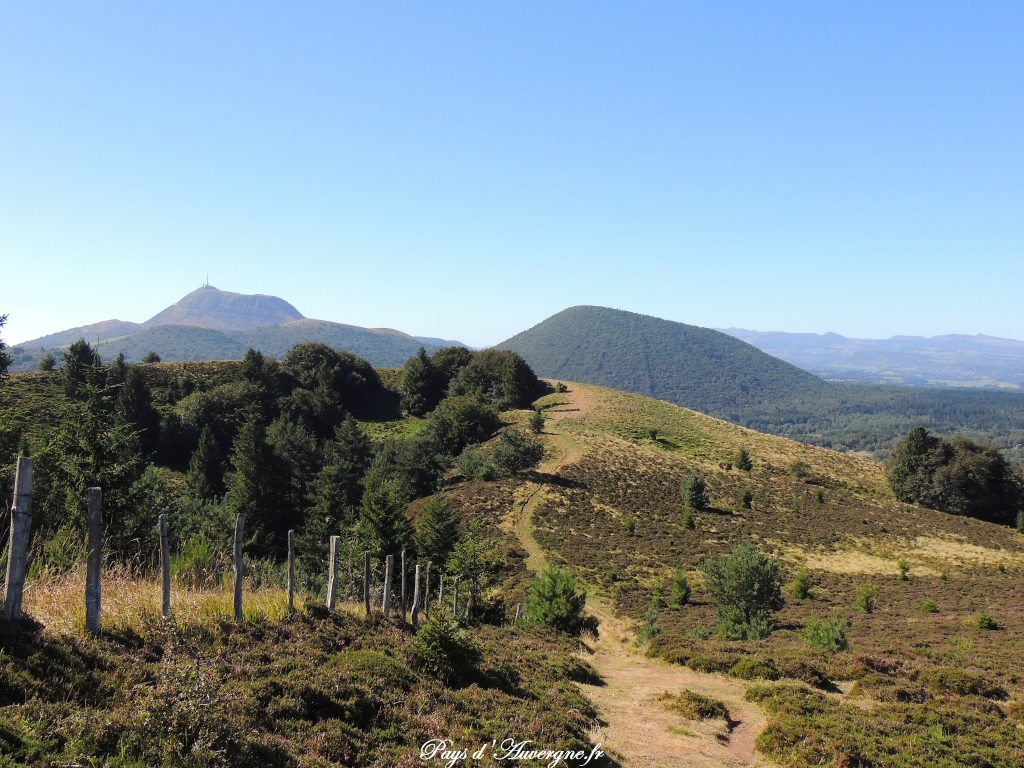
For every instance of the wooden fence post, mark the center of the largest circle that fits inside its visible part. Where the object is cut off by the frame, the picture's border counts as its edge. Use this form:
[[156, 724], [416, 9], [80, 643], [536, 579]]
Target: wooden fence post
[[455, 600], [389, 564], [332, 574], [405, 605], [416, 597], [518, 608], [94, 560], [366, 583], [291, 571], [239, 565], [21, 526], [426, 590], [165, 570], [440, 590]]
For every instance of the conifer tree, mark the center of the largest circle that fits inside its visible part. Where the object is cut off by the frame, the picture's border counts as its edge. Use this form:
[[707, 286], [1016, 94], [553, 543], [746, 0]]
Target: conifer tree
[[438, 531], [253, 488], [135, 403], [338, 486], [205, 477], [81, 367], [383, 516], [421, 385]]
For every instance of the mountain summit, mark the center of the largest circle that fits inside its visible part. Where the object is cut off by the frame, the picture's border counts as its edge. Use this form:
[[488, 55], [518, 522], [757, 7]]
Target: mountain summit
[[209, 307]]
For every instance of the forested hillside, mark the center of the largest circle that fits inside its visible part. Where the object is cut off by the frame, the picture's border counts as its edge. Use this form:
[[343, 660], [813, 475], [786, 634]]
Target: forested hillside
[[717, 374]]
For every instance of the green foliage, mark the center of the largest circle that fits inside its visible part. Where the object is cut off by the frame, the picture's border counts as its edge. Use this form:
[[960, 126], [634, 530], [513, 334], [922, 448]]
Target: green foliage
[[694, 492], [135, 404], [47, 362], [984, 621], [929, 606], [536, 422], [5, 358], [903, 569], [752, 668], [828, 634], [476, 560], [742, 460], [350, 379], [383, 514], [253, 487], [422, 385], [475, 465], [150, 357], [958, 476], [205, 477], [338, 486], [864, 600], [438, 531], [461, 421], [630, 525], [516, 453], [678, 590], [443, 650], [746, 498], [81, 367], [800, 587], [449, 361], [199, 562], [800, 470], [499, 377], [748, 588], [554, 601]]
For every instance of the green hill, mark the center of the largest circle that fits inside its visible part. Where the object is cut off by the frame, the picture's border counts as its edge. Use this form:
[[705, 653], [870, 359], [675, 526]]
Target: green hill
[[717, 374]]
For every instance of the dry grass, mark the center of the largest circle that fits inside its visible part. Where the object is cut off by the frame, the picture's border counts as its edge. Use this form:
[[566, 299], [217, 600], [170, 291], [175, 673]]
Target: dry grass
[[129, 601]]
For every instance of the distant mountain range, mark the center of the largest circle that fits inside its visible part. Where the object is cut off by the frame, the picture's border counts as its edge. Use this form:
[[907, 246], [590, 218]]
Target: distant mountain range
[[211, 324], [721, 375], [954, 360]]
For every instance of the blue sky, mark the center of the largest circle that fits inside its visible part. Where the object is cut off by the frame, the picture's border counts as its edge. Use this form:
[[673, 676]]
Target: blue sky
[[466, 170]]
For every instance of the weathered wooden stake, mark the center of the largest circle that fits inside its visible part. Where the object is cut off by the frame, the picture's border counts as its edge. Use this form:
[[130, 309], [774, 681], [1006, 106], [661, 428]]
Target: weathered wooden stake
[[470, 600], [405, 605], [518, 608], [332, 574], [21, 526], [165, 570], [426, 590], [389, 564], [366, 583], [291, 571], [94, 560], [416, 598], [455, 599], [440, 590], [239, 565]]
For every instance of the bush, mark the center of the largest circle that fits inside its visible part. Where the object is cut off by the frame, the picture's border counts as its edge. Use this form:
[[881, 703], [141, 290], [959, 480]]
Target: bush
[[828, 634], [929, 606], [694, 706], [748, 588], [746, 499], [516, 453], [475, 465], [444, 651], [694, 492], [630, 525], [536, 422], [984, 621], [800, 587], [198, 563], [679, 590], [904, 570], [554, 601], [751, 668], [864, 600]]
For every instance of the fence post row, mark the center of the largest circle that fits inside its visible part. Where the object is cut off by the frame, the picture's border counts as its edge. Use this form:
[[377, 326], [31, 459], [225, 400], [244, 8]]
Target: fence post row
[[426, 590], [21, 526], [94, 560], [239, 564]]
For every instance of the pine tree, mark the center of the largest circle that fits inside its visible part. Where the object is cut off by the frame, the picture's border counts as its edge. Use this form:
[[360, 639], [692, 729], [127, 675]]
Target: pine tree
[[205, 477], [742, 460], [135, 403], [383, 516], [253, 489], [421, 385], [438, 531], [554, 601], [338, 486], [694, 492], [81, 367]]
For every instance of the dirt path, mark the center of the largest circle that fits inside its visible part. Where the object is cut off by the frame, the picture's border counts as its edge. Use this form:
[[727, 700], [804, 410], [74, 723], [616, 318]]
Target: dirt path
[[637, 730]]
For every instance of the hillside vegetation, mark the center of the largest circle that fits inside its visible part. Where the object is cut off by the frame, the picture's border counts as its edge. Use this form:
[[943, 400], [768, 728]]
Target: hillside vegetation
[[717, 374]]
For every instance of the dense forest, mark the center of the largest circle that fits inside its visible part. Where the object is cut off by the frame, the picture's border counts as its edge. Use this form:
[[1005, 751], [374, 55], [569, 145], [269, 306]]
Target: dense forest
[[281, 441], [717, 374]]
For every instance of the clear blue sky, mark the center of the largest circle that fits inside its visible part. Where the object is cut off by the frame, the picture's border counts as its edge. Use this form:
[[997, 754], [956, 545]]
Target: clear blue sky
[[467, 170]]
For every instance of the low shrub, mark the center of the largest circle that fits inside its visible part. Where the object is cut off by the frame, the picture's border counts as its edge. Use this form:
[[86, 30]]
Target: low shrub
[[753, 668], [694, 706], [443, 650], [828, 634]]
